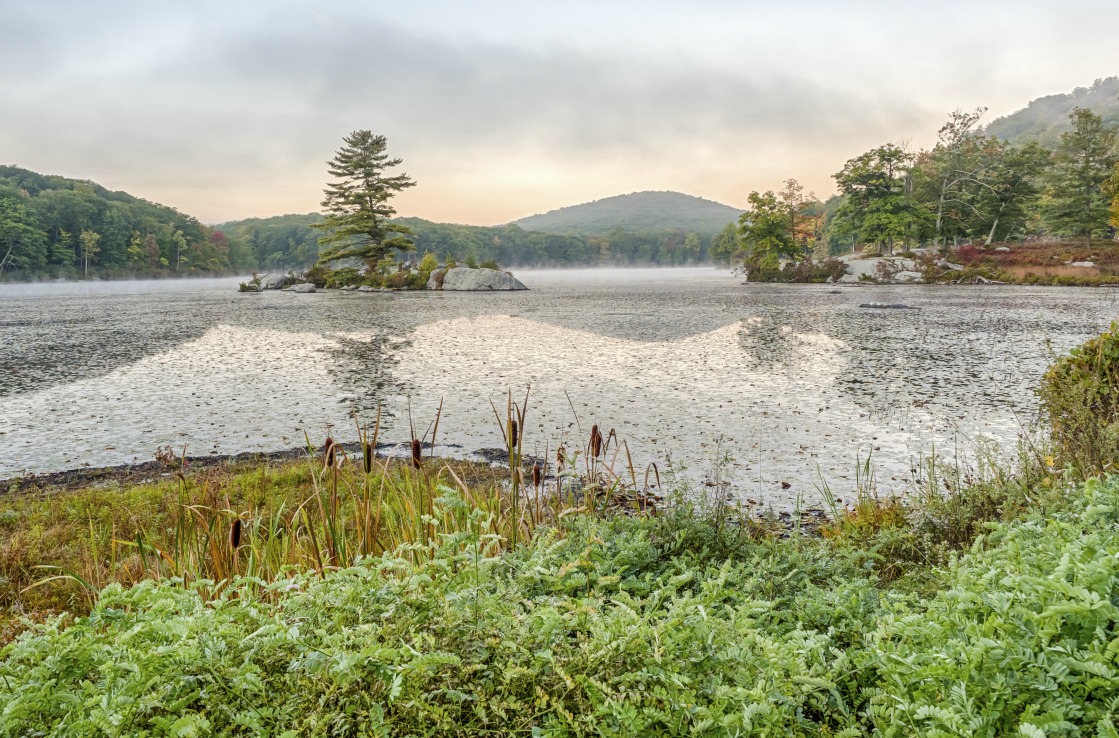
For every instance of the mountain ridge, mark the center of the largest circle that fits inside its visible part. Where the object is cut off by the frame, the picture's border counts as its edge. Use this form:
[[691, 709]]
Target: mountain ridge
[[1045, 118], [647, 210]]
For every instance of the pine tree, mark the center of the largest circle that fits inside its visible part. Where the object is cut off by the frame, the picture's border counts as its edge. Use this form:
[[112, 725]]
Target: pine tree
[[357, 204], [1075, 203]]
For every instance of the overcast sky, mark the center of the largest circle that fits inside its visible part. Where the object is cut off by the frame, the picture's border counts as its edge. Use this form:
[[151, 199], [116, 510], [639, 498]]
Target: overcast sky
[[501, 109]]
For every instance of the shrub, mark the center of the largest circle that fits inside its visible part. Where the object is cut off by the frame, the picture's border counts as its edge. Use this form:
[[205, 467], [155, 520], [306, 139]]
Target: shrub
[[343, 277], [429, 263], [397, 281], [617, 627], [798, 272], [1080, 396], [490, 264], [317, 275]]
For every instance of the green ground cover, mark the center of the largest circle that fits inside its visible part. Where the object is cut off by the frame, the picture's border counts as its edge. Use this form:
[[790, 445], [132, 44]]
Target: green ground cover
[[608, 627]]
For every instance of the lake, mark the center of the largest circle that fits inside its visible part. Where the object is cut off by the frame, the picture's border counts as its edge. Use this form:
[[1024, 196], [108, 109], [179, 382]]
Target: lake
[[794, 382]]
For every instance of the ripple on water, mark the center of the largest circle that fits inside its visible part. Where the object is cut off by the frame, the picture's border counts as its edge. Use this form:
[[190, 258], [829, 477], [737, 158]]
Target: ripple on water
[[795, 379]]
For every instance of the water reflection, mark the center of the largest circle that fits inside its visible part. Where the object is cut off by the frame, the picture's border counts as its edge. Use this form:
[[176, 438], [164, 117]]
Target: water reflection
[[797, 379]]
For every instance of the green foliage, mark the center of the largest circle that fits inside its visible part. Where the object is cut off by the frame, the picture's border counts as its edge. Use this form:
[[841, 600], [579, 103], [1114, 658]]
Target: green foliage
[[1046, 118], [429, 263], [343, 277], [283, 242], [1076, 203], [53, 226], [1080, 395], [358, 212], [806, 271], [617, 627], [635, 213], [878, 205], [764, 231], [725, 249]]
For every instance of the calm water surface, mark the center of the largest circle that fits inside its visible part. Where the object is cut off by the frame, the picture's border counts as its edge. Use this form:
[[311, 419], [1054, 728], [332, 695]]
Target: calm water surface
[[799, 381]]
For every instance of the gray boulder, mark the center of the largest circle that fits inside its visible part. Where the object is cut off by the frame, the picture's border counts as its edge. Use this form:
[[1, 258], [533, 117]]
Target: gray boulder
[[465, 279], [303, 288], [272, 281], [1085, 264], [1002, 249], [365, 288]]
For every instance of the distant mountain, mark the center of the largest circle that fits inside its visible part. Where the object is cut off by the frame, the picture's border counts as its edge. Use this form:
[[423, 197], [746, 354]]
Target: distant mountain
[[1045, 118], [635, 213]]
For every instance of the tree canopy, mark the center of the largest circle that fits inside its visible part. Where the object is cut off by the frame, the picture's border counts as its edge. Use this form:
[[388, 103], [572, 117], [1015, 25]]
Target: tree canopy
[[358, 212]]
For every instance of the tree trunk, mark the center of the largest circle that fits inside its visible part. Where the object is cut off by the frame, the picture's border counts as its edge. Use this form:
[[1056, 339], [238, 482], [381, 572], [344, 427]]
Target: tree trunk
[[939, 216], [991, 235]]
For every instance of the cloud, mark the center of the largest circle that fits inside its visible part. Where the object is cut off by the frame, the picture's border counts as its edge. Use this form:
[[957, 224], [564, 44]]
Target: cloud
[[231, 109]]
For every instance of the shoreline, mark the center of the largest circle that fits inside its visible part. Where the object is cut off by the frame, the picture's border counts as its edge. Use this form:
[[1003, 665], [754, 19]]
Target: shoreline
[[145, 472]]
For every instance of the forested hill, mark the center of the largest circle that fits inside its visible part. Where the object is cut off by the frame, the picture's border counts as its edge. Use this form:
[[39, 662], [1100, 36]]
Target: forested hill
[[289, 242], [637, 212], [52, 226], [1044, 119]]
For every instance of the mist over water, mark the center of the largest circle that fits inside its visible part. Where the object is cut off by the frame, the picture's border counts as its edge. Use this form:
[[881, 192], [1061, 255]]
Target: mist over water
[[797, 381], [92, 288]]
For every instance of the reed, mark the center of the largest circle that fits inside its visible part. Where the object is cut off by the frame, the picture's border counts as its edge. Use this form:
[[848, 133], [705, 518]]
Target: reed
[[324, 512]]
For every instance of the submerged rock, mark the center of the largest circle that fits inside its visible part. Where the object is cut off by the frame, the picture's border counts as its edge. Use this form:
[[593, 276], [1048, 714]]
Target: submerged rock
[[886, 306], [463, 279]]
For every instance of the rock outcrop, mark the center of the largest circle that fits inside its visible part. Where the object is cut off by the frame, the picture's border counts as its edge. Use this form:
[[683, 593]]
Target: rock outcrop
[[273, 281], [465, 279], [303, 288]]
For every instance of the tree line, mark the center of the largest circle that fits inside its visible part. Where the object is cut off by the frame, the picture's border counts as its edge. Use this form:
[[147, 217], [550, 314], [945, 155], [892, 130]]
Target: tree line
[[57, 227], [291, 242], [969, 188], [52, 227]]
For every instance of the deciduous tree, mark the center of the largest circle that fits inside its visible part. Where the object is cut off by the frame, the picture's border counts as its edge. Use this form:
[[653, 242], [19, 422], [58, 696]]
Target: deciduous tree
[[764, 231], [89, 241], [878, 203]]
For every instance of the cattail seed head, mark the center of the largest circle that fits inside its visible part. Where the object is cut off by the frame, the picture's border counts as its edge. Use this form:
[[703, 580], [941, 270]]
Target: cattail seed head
[[596, 441], [417, 453], [235, 534], [329, 452], [513, 433], [537, 475], [367, 456], [561, 458]]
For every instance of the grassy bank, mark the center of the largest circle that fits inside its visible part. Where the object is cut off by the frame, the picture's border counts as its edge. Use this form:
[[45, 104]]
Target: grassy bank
[[662, 625], [358, 597]]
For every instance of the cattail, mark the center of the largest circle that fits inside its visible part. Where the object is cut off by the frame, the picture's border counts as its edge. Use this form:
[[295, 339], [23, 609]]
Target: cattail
[[328, 453], [596, 441], [235, 534], [513, 433], [561, 458], [367, 456], [417, 453], [537, 475]]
